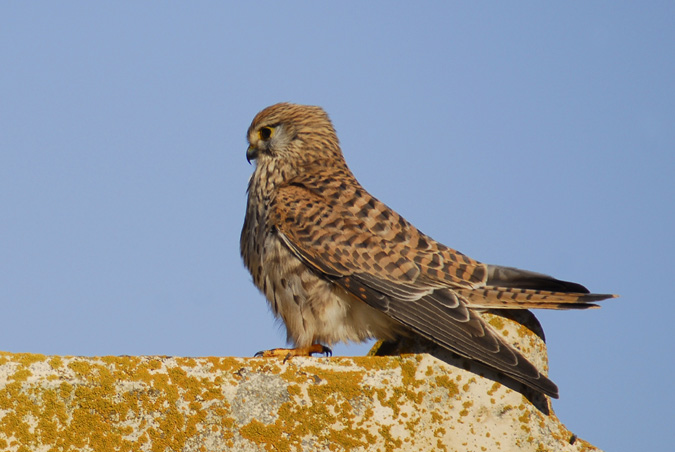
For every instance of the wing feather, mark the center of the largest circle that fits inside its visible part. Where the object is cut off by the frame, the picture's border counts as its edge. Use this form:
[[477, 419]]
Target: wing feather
[[443, 318], [340, 247]]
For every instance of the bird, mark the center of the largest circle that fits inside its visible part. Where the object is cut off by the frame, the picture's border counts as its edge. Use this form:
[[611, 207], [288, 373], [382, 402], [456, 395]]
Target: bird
[[337, 265]]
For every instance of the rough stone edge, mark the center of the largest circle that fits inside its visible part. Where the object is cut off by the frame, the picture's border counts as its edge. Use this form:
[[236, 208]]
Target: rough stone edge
[[412, 401]]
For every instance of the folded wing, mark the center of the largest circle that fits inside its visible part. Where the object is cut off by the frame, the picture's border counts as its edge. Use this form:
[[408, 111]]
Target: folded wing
[[431, 289]]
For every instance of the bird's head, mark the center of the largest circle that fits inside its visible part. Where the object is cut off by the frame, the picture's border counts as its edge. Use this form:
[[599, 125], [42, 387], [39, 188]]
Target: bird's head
[[295, 134]]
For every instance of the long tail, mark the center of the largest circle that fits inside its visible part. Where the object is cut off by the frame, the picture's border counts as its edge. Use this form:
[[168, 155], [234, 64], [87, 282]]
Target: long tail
[[512, 288]]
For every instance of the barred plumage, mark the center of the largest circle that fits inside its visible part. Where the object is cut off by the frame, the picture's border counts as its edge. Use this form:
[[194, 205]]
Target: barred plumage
[[336, 264]]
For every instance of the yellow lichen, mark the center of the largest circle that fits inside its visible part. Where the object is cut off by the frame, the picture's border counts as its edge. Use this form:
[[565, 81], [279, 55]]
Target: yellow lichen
[[465, 412], [445, 382], [162, 403], [55, 362], [494, 388], [496, 321]]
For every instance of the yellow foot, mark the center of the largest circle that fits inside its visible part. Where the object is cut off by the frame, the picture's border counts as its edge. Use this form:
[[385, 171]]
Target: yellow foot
[[287, 353]]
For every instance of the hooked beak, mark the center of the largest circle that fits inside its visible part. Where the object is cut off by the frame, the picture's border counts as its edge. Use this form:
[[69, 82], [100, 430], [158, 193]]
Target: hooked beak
[[251, 154]]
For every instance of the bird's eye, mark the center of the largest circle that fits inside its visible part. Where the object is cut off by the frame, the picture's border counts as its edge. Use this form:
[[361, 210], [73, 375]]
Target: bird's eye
[[265, 133]]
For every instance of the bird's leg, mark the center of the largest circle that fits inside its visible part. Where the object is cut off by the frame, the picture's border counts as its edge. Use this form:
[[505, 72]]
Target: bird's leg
[[287, 353]]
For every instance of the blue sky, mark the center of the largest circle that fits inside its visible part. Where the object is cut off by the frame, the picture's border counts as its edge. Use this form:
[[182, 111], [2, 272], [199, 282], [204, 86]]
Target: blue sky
[[533, 135]]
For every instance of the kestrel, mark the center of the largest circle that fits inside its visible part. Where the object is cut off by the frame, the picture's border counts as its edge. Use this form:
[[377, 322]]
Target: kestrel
[[336, 264]]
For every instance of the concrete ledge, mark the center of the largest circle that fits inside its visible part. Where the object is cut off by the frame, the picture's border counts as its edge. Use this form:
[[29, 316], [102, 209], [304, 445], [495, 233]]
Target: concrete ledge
[[372, 403]]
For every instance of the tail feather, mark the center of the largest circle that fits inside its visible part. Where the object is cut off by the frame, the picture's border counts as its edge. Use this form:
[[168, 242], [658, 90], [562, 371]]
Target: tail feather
[[511, 298], [500, 276]]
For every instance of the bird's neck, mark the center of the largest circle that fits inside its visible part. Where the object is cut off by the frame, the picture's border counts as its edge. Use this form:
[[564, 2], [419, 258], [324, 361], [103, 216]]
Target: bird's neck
[[267, 177]]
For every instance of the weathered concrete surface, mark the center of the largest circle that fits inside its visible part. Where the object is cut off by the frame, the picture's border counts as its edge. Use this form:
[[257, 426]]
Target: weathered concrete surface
[[372, 403]]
